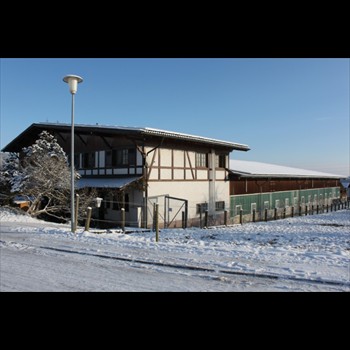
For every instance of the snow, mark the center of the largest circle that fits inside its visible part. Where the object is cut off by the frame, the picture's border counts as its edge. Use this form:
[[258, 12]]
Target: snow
[[153, 131], [310, 253], [257, 168], [106, 182]]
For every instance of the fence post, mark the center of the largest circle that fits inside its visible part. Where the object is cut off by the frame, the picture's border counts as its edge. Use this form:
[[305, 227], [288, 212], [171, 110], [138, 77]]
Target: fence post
[[154, 220], [300, 208], [312, 209], [292, 214], [241, 216], [284, 212], [88, 218], [123, 219], [206, 218], [317, 208], [183, 219], [76, 211], [275, 214], [265, 214], [225, 217], [157, 223], [306, 207], [254, 213], [327, 208]]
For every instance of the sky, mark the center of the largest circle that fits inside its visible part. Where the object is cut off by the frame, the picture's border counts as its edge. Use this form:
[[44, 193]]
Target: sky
[[292, 112]]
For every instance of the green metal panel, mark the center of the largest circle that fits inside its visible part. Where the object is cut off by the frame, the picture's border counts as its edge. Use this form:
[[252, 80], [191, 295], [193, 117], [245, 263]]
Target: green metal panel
[[285, 198]]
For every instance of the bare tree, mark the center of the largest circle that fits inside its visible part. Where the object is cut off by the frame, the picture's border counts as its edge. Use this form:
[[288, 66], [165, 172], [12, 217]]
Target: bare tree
[[43, 175]]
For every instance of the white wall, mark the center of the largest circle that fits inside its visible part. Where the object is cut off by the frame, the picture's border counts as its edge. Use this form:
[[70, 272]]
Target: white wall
[[195, 192], [165, 179]]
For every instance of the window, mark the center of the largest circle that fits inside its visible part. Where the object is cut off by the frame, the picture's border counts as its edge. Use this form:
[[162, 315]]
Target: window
[[219, 206], [120, 157], [77, 160], [202, 207], [89, 160], [220, 161], [124, 157], [108, 159], [132, 157], [201, 160]]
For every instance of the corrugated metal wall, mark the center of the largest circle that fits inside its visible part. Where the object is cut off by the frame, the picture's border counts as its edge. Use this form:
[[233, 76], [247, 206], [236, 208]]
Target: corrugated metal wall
[[280, 200]]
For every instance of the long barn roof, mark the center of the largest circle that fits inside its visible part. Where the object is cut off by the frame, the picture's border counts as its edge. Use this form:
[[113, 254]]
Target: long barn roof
[[245, 168]]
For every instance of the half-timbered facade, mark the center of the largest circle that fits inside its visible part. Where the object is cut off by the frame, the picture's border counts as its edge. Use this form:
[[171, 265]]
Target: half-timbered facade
[[135, 168]]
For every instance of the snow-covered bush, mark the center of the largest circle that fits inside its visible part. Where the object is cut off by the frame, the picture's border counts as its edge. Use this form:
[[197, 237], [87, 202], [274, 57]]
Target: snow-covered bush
[[42, 173]]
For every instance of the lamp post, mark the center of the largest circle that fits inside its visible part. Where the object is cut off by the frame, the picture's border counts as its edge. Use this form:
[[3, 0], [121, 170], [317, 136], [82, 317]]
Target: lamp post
[[72, 81]]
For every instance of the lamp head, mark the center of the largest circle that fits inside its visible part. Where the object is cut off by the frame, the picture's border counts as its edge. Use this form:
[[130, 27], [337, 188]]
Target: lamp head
[[98, 201], [73, 81]]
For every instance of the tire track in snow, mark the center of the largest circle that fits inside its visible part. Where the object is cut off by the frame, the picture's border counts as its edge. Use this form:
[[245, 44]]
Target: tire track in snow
[[190, 267]]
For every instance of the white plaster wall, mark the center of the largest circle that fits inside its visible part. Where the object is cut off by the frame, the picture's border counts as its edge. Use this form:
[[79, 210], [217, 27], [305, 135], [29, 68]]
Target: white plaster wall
[[165, 174], [165, 157], [194, 192], [178, 158], [178, 174], [189, 175], [192, 156], [220, 174], [154, 174], [202, 174]]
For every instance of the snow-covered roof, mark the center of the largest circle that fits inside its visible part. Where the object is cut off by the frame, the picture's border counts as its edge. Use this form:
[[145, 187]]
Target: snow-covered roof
[[113, 129], [249, 168], [183, 136], [106, 182]]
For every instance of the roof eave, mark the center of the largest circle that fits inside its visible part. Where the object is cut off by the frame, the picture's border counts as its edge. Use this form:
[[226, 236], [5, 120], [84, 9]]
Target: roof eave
[[282, 176]]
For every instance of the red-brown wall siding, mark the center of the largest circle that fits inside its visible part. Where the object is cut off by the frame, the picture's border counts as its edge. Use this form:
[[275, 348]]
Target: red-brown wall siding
[[257, 185]]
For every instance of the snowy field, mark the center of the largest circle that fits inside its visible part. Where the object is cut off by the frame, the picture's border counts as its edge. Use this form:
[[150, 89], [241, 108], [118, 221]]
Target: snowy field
[[309, 253]]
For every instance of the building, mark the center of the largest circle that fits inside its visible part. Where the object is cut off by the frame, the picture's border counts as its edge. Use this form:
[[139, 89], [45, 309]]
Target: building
[[134, 168], [345, 188], [261, 188]]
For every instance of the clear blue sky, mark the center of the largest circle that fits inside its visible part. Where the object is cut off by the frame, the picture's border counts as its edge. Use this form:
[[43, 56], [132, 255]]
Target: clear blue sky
[[291, 112]]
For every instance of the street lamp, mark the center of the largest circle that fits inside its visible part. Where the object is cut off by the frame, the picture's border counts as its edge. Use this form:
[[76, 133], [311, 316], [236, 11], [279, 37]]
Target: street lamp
[[72, 81]]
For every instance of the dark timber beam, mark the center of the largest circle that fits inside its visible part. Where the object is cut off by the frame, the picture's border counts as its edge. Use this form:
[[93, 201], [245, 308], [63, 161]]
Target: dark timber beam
[[81, 139], [106, 142]]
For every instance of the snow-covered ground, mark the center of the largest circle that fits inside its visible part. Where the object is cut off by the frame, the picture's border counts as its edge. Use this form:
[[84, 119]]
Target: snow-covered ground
[[309, 253]]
